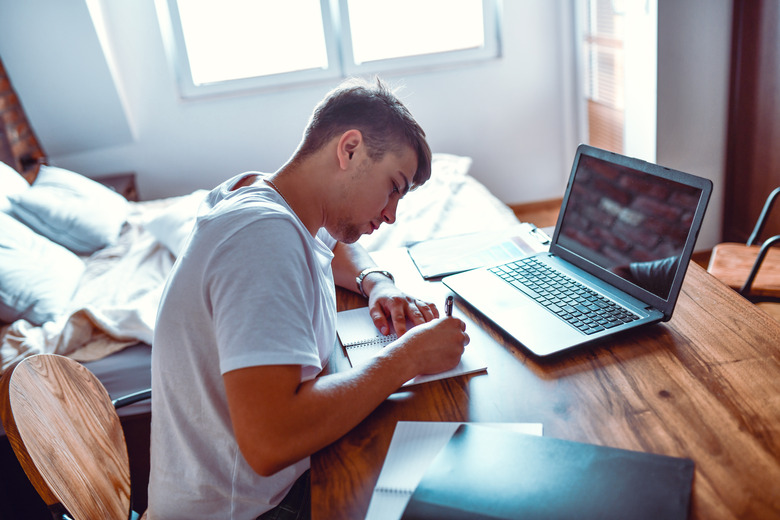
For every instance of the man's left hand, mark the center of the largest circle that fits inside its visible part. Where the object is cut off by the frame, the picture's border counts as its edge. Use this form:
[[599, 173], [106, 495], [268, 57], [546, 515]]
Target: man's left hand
[[392, 309]]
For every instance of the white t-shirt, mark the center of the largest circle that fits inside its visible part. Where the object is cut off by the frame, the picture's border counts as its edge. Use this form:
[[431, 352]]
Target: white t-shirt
[[252, 287]]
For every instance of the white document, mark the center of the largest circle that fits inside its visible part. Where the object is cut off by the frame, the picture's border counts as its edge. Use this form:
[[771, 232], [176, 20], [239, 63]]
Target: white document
[[414, 446], [454, 254]]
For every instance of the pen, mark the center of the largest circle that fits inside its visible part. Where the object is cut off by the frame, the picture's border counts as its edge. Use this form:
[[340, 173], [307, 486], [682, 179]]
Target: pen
[[448, 306]]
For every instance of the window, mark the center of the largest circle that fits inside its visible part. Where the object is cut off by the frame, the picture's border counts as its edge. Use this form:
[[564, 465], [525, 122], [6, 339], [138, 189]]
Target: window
[[232, 45], [604, 74], [619, 56]]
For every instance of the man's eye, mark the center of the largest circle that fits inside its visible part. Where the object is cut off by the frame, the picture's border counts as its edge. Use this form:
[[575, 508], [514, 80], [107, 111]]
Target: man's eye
[[395, 189]]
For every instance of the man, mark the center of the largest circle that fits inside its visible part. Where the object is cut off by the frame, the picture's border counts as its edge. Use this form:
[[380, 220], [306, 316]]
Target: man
[[247, 320]]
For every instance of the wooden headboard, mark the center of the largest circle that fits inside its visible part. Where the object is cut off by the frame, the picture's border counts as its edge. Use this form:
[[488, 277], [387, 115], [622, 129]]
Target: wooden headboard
[[18, 145]]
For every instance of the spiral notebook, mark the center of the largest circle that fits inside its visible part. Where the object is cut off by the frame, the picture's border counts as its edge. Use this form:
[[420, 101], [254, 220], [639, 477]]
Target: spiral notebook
[[362, 340]]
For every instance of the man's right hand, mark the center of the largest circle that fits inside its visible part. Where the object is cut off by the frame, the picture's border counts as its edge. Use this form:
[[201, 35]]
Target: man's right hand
[[435, 346]]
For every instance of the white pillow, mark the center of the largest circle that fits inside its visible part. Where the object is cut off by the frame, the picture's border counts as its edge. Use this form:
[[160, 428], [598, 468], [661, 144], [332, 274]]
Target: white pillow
[[173, 225], [72, 210], [11, 183], [37, 276]]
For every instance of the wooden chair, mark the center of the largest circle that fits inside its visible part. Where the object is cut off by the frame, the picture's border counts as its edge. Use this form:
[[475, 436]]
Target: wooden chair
[[64, 429], [750, 269]]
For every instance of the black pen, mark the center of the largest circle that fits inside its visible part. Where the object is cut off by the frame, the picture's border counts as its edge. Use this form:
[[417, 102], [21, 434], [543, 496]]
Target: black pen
[[448, 306]]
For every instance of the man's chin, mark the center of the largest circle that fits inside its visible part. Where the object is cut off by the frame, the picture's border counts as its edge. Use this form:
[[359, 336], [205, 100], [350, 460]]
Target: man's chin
[[347, 236], [348, 240]]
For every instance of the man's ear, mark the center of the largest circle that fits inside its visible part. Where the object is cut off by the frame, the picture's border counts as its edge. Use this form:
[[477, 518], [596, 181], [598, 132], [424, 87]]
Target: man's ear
[[349, 142]]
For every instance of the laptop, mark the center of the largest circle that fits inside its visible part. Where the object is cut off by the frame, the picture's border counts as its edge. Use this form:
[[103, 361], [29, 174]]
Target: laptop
[[623, 240]]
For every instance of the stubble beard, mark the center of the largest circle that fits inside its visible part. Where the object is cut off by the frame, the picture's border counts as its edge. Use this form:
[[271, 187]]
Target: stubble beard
[[347, 232]]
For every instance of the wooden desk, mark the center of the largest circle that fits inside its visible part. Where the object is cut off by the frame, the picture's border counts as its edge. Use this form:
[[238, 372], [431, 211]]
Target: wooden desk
[[705, 385]]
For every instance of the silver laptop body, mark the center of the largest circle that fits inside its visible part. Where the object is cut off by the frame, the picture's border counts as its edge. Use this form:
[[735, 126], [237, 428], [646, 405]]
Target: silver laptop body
[[626, 231]]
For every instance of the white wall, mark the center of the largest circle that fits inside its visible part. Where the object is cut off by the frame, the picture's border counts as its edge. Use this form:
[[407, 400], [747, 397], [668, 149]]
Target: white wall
[[694, 45], [515, 116], [508, 114], [52, 53]]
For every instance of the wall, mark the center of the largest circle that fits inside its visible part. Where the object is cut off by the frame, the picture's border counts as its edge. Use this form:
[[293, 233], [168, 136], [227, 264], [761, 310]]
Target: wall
[[62, 75], [694, 46], [508, 114], [114, 107]]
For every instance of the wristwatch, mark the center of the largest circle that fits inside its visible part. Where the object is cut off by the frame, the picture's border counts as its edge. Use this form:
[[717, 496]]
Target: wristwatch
[[366, 272]]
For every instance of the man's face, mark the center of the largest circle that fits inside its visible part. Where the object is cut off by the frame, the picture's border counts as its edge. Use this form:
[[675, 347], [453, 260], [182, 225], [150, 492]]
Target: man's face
[[372, 194]]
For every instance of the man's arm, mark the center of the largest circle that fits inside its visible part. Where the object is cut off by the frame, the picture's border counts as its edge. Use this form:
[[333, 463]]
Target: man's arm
[[279, 420], [385, 300]]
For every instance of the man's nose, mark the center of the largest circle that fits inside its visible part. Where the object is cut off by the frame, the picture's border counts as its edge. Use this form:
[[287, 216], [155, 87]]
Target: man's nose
[[388, 214]]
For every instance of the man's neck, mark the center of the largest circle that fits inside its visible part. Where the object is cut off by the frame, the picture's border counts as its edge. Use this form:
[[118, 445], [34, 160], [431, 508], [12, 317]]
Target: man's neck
[[302, 184]]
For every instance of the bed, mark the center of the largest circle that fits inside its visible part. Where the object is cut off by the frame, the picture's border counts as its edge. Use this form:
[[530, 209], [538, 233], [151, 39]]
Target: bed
[[82, 271]]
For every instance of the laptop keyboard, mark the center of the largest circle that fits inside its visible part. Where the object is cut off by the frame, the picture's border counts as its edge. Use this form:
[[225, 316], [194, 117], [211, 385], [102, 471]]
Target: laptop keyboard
[[576, 304]]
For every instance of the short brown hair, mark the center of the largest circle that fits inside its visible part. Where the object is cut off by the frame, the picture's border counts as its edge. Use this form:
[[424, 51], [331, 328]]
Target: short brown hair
[[386, 124]]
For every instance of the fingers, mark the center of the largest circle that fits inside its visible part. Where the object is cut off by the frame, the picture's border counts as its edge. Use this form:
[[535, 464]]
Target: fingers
[[402, 313], [429, 310], [380, 322], [464, 337], [399, 323], [417, 312], [443, 350]]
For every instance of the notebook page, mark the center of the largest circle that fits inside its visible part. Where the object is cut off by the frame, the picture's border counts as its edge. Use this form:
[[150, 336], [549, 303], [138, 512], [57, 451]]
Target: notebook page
[[355, 326]]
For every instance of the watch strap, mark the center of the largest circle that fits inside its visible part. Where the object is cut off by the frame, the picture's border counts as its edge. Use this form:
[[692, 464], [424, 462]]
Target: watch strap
[[366, 272]]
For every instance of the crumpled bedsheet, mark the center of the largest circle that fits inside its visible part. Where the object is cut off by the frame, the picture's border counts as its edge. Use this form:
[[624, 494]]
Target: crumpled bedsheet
[[114, 306]]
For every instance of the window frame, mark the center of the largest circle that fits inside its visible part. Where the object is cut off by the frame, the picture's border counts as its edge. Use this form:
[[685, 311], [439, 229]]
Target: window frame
[[338, 44], [491, 49], [173, 37]]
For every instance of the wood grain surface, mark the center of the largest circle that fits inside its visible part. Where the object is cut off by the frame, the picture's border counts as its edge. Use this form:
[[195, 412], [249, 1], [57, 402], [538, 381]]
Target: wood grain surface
[[731, 263], [705, 385], [75, 448]]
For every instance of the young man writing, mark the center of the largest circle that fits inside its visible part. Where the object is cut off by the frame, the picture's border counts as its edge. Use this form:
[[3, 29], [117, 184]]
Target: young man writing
[[247, 320]]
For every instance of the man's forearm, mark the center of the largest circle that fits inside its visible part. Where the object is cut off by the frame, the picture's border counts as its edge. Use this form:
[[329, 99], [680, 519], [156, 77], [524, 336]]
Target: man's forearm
[[348, 261]]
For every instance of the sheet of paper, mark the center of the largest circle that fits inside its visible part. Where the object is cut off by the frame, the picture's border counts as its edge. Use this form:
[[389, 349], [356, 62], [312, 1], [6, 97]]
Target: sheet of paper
[[470, 363], [413, 446], [355, 326], [449, 255]]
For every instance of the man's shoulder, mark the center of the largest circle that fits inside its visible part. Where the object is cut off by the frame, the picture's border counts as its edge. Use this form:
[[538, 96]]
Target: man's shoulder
[[247, 209]]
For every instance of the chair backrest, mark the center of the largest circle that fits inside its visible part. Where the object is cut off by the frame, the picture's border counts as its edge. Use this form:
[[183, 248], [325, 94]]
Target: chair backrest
[[67, 437]]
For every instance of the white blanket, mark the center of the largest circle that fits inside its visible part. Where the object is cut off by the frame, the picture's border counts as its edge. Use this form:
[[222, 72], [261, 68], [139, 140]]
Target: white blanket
[[116, 302], [114, 306]]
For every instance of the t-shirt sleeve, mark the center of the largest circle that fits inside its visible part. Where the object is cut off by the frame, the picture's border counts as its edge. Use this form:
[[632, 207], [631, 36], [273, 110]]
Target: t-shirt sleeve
[[261, 291]]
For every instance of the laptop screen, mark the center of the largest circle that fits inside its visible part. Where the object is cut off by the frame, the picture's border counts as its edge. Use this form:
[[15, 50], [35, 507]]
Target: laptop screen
[[628, 222]]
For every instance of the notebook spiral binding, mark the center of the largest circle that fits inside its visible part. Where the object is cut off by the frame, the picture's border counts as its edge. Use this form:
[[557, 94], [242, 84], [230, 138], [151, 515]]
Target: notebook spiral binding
[[394, 490], [383, 340]]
